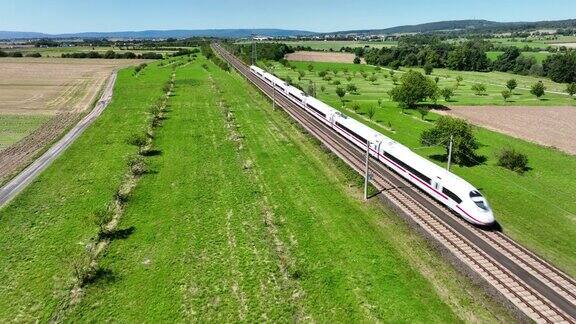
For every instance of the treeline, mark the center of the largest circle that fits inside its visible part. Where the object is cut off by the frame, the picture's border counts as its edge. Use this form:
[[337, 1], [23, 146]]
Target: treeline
[[264, 51], [431, 52], [209, 54], [185, 51], [19, 54], [114, 55]]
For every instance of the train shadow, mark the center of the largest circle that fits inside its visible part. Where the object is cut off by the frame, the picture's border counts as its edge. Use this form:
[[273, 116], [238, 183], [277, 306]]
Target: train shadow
[[494, 227]]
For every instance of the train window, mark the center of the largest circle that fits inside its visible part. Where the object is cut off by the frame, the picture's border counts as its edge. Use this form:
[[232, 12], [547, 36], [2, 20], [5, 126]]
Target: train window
[[474, 194], [451, 195], [481, 204], [360, 138], [410, 169], [316, 110]]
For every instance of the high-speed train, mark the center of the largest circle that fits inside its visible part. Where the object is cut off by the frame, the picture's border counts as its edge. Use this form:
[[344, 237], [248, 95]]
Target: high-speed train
[[447, 188]]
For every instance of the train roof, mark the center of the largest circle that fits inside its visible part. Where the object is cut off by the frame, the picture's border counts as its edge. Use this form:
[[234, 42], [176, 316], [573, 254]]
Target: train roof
[[327, 109]]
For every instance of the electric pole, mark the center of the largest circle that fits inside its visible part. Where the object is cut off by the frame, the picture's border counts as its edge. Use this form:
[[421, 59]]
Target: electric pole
[[254, 58], [367, 170], [450, 152]]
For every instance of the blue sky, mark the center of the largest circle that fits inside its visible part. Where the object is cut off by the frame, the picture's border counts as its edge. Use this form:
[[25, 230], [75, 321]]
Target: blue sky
[[60, 16]]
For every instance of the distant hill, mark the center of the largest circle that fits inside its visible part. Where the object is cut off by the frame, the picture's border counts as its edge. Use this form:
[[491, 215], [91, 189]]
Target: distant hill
[[148, 34], [469, 25]]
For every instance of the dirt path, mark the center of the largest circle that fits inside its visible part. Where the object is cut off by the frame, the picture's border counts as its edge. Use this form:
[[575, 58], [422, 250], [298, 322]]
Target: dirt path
[[549, 126]]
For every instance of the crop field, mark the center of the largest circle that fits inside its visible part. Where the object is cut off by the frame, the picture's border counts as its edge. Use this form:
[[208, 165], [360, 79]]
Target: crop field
[[240, 217], [549, 126], [56, 52], [321, 57], [15, 127], [337, 45], [39, 98], [536, 208]]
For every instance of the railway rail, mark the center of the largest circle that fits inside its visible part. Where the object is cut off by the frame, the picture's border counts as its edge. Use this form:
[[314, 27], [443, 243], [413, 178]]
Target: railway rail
[[535, 287]]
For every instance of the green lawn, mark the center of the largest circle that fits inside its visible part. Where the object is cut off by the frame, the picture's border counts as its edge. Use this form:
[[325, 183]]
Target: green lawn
[[15, 127], [242, 218], [48, 224], [537, 208]]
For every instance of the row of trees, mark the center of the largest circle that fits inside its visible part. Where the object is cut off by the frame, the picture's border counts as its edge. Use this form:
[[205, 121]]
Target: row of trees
[[264, 51], [209, 54], [471, 56], [19, 54], [113, 55]]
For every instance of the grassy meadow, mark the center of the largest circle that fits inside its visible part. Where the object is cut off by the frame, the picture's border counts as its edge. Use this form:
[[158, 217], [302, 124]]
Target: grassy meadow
[[241, 217], [537, 208]]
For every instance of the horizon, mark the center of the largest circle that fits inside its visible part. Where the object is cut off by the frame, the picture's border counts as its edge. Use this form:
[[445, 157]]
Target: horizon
[[28, 16]]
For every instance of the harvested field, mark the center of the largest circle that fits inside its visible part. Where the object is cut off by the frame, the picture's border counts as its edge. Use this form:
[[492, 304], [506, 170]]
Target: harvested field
[[549, 126], [56, 92], [322, 57], [49, 86]]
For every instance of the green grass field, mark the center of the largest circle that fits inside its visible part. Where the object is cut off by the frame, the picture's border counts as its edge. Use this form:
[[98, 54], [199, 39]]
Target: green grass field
[[537, 208], [15, 127], [242, 217]]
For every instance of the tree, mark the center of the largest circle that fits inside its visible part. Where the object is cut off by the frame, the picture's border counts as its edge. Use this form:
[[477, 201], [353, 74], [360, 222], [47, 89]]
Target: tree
[[571, 89], [506, 94], [459, 80], [373, 79], [447, 93], [379, 102], [301, 74], [538, 89], [414, 88], [428, 68], [512, 160], [464, 142], [394, 79], [356, 60], [511, 84], [371, 112], [436, 79], [355, 107], [507, 60], [469, 56], [479, 89], [352, 88], [322, 88], [311, 90], [340, 92], [310, 67], [561, 67]]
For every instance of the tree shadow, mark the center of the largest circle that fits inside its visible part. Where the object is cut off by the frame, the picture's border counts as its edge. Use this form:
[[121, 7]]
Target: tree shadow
[[120, 234], [432, 106], [474, 161], [544, 99], [152, 152], [102, 275]]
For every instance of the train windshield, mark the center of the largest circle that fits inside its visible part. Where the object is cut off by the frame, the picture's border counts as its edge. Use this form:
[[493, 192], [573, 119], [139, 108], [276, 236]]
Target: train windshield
[[475, 194], [481, 204]]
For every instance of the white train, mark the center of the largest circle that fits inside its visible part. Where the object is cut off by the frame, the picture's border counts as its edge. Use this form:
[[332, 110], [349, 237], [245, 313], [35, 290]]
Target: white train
[[445, 187]]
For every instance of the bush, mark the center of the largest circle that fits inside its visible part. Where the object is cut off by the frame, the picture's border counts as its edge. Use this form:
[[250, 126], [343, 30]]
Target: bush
[[371, 112], [357, 60], [571, 89], [538, 89], [506, 94], [447, 93], [33, 55], [352, 88], [428, 68], [513, 160], [137, 165], [511, 84], [137, 139], [479, 89]]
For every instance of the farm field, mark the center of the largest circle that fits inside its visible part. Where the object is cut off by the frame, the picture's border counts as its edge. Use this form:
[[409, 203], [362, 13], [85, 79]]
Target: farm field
[[549, 126], [266, 227], [321, 57], [337, 45], [536, 208], [56, 52], [15, 127], [39, 98]]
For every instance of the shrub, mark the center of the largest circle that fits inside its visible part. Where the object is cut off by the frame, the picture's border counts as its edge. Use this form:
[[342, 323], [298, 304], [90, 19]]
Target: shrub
[[479, 89], [101, 217], [506, 94], [538, 89], [137, 165], [571, 89], [513, 160], [428, 68], [357, 60], [370, 112], [352, 88], [137, 139], [355, 107], [511, 84], [447, 93]]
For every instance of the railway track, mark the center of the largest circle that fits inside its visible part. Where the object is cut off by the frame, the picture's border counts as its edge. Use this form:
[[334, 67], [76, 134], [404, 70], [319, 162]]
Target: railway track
[[536, 288]]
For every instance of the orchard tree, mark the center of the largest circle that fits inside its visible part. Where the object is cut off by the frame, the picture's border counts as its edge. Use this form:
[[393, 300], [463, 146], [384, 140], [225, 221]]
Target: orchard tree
[[479, 89], [414, 88], [538, 89], [506, 94], [459, 80], [428, 68], [464, 142], [340, 92], [447, 93], [511, 84], [371, 112]]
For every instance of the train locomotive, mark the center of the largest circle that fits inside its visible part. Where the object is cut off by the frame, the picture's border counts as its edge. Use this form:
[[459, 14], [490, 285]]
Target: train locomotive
[[442, 185]]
